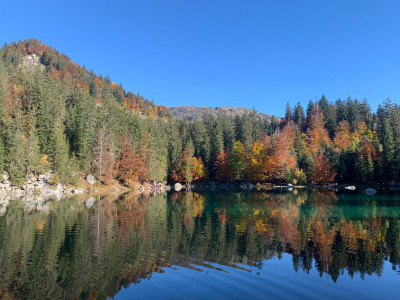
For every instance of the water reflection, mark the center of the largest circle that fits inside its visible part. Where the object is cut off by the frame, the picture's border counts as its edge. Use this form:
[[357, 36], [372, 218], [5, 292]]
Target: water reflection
[[90, 248]]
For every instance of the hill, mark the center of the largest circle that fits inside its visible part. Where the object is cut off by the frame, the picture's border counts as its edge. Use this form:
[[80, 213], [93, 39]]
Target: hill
[[191, 112], [32, 52]]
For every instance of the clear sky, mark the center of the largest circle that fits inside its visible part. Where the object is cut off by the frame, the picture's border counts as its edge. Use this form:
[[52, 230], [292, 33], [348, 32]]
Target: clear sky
[[258, 54]]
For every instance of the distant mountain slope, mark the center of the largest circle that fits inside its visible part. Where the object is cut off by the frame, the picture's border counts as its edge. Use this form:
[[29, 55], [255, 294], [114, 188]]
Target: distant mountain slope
[[190, 112]]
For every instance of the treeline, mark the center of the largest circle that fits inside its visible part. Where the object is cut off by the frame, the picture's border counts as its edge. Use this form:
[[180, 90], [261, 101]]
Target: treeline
[[342, 141], [59, 117]]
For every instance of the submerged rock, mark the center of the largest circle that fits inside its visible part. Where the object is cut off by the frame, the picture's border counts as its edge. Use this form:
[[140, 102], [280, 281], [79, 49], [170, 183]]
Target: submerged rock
[[370, 191]]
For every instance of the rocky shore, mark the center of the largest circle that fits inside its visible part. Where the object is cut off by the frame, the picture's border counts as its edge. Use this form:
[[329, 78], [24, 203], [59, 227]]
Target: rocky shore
[[36, 185]]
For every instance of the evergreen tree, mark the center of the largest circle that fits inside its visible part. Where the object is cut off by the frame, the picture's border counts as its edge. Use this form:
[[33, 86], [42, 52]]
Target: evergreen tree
[[16, 150], [299, 118], [388, 151], [59, 152], [310, 109], [288, 112], [2, 117], [33, 155]]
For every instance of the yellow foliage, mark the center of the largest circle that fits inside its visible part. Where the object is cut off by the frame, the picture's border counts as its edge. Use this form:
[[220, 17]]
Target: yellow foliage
[[44, 161]]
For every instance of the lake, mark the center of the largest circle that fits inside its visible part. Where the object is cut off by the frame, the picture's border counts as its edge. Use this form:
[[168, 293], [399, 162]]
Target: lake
[[214, 245]]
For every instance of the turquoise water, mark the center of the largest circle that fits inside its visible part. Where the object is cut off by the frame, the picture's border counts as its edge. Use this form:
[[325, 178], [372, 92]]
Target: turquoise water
[[188, 245]]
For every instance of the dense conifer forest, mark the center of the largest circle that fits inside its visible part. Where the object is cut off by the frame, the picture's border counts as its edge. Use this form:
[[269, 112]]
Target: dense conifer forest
[[57, 116]]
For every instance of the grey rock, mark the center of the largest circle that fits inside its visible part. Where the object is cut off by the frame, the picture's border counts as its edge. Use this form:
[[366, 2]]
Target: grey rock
[[89, 202], [4, 176], [351, 187], [177, 186], [90, 179]]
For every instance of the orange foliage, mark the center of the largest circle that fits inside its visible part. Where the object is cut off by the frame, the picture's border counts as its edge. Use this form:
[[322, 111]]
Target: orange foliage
[[132, 165], [316, 133], [222, 166], [279, 149], [342, 138], [83, 85], [322, 171]]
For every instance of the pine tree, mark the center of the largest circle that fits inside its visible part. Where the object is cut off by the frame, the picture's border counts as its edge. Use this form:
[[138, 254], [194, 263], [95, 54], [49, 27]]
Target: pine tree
[[33, 155], [16, 150], [310, 109], [187, 163], [2, 118], [299, 118], [103, 159], [288, 112], [388, 151], [59, 152]]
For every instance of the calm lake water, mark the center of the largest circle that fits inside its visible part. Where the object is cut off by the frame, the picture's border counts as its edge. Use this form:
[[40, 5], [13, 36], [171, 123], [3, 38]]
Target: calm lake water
[[189, 245]]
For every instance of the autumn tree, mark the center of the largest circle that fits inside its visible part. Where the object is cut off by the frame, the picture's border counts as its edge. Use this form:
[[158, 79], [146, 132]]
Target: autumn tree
[[199, 170], [131, 165], [256, 166], [322, 171], [223, 166]]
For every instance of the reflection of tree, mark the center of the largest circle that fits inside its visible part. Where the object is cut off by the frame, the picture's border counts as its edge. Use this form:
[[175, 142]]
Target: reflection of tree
[[72, 251]]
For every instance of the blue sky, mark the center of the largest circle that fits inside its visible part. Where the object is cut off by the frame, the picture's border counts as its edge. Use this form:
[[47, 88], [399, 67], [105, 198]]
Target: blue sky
[[259, 54]]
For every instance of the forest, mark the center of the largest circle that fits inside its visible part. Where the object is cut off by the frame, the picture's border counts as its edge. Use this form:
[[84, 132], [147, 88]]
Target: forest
[[58, 117]]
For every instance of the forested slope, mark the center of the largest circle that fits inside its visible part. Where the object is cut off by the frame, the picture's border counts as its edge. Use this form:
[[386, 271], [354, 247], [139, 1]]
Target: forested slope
[[57, 116]]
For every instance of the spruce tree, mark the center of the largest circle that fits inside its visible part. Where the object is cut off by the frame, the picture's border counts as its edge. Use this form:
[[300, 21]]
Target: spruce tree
[[59, 152], [288, 112], [33, 155], [16, 150]]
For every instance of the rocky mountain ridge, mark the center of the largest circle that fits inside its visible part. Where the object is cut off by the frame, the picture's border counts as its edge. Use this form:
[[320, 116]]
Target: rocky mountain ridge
[[191, 112]]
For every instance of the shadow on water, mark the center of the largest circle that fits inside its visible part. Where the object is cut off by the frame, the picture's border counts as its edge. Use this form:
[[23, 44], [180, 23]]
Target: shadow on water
[[91, 249]]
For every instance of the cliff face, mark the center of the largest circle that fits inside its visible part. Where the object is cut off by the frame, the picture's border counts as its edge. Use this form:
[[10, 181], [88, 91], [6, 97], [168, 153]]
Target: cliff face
[[191, 112]]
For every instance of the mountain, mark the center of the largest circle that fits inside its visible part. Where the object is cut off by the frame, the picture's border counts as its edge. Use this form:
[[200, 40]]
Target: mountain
[[32, 52], [191, 112]]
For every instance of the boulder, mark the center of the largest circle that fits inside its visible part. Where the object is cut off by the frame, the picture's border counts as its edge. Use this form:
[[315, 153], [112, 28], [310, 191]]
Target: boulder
[[369, 191], [4, 176], [89, 202], [90, 179], [350, 187], [77, 191], [177, 186]]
